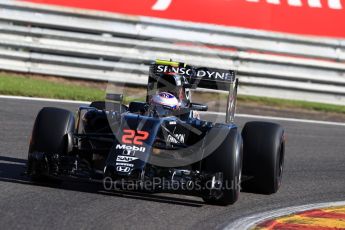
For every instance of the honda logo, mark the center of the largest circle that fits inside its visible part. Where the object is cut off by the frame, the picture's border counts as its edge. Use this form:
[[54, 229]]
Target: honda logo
[[123, 169]]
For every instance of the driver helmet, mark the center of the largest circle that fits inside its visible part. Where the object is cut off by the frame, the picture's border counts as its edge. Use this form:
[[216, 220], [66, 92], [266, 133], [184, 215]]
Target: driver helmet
[[174, 84], [165, 100]]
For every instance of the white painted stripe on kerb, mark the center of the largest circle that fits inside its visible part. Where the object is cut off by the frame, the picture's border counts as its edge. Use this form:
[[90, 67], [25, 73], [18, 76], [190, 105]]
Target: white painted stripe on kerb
[[216, 113], [335, 4], [295, 2], [249, 221], [161, 5], [315, 3], [275, 2]]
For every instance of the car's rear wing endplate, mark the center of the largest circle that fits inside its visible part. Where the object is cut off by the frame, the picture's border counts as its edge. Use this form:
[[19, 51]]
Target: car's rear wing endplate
[[198, 77]]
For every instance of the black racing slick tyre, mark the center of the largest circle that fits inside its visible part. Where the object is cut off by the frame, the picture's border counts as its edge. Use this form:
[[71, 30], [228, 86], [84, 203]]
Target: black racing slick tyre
[[227, 160], [263, 157], [51, 135]]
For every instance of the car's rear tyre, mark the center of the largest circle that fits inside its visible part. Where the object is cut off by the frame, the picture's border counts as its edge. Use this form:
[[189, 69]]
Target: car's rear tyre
[[263, 157], [226, 159], [51, 135]]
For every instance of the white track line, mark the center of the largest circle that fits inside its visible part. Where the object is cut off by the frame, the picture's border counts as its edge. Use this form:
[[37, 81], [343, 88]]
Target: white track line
[[216, 113], [291, 119], [282, 119], [249, 221], [43, 99]]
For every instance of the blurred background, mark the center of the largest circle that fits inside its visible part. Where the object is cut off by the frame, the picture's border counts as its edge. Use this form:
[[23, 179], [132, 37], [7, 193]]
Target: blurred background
[[289, 54]]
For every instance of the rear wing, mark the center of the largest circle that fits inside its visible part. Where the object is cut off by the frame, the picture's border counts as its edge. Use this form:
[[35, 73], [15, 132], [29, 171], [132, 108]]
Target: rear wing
[[198, 77]]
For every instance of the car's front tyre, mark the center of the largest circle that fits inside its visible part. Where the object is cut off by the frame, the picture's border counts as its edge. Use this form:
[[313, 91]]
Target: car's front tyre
[[227, 160], [51, 135], [263, 156]]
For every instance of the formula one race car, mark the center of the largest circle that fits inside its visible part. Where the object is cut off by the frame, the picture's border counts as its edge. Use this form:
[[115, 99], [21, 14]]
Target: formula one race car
[[161, 144]]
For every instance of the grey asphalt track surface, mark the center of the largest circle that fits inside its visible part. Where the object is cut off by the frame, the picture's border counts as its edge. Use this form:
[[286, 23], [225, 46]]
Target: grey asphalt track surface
[[314, 172]]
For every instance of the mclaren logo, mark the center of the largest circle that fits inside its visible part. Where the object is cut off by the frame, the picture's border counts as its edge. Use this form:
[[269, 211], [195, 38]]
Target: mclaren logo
[[131, 148]]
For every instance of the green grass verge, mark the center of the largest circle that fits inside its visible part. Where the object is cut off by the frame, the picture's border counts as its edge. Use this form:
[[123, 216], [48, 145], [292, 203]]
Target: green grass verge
[[12, 84], [25, 86], [284, 103]]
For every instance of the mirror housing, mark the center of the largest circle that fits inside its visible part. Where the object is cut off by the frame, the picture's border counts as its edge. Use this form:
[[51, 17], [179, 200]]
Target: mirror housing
[[198, 107], [114, 97], [137, 107]]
